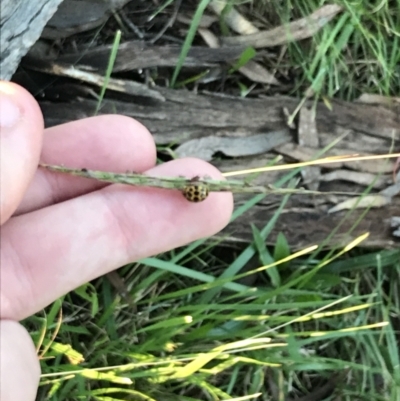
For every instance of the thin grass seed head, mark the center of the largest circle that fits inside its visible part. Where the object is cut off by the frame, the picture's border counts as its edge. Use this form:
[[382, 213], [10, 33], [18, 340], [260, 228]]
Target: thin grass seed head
[[195, 189]]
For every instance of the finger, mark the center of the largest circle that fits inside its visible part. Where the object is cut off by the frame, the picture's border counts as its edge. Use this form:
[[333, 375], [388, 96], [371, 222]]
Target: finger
[[54, 250], [108, 142], [21, 130], [19, 365]]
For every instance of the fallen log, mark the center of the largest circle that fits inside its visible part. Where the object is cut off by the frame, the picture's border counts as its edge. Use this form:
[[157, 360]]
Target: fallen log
[[184, 117]]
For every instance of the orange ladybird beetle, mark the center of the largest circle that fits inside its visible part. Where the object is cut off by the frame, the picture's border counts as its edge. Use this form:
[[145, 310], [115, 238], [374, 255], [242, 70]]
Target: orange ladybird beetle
[[195, 192]]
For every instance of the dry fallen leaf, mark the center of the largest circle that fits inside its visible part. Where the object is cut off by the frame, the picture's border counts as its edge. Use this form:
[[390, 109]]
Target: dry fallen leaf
[[300, 29], [233, 18], [119, 85], [367, 201], [204, 148], [383, 198], [369, 98], [357, 177], [252, 70]]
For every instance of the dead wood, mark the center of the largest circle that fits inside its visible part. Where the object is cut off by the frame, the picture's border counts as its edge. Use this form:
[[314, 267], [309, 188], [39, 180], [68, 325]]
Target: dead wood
[[185, 116], [75, 16], [252, 130], [21, 23], [138, 54]]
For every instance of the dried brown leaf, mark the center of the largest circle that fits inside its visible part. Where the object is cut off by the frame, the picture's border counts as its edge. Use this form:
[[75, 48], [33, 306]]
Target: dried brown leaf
[[233, 18], [300, 29], [252, 70]]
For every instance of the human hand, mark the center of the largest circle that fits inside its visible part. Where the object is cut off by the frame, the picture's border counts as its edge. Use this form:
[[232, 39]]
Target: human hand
[[59, 232]]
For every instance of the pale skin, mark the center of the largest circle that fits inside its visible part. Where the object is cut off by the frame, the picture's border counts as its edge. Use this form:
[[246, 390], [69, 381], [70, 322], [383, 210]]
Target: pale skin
[[59, 232]]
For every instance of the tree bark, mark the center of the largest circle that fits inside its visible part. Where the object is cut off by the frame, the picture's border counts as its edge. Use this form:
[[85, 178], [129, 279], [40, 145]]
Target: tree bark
[[21, 23]]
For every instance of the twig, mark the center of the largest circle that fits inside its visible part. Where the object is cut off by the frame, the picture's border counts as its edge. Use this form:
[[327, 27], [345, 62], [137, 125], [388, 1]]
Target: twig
[[195, 189]]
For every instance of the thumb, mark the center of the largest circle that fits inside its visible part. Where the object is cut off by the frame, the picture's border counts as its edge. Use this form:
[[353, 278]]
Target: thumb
[[19, 364], [21, 131]]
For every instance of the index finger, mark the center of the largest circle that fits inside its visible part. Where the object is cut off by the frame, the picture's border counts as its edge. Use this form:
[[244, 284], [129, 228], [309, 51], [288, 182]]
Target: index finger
[[107, 142]]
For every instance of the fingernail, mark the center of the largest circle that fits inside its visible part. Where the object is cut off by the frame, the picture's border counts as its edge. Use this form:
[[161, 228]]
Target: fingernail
[[10, 112]]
